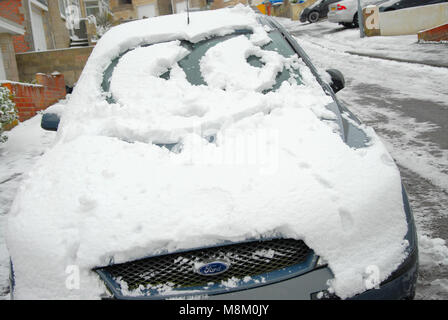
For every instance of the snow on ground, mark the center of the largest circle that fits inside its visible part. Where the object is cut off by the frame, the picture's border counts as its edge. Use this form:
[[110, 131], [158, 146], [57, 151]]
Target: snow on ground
[[348, 40], [406, 103], [26, 143]]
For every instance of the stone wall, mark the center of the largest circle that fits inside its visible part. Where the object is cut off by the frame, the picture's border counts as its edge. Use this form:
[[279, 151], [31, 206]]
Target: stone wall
[[413, 20], [70, 62], [59, 34]]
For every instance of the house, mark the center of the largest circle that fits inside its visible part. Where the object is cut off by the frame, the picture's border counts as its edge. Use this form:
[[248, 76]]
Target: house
[[78, 14], [40, 25], [10, 27], [28, 25]]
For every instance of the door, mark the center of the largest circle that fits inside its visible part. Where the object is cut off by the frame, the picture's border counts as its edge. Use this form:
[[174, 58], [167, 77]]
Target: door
[[37, 24], [181, 6], [146, 11]]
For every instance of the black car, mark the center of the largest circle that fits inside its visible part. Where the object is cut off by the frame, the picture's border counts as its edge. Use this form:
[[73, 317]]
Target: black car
[[292, 271], [402, 4], [316, 11]]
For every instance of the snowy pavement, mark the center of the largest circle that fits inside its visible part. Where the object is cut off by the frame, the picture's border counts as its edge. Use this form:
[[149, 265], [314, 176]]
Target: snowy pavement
[[407, 105]]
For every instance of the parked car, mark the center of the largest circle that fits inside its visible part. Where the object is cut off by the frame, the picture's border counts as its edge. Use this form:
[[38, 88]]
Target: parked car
[[125, 205], [346, 12], [402, 4], [316, 11]]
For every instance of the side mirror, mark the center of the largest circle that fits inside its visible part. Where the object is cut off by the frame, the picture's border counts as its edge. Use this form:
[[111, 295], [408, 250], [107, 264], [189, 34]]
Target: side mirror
[[337, 80], [50, 121]]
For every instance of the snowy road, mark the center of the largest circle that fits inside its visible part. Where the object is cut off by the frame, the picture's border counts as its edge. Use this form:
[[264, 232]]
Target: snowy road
[[407, 104]]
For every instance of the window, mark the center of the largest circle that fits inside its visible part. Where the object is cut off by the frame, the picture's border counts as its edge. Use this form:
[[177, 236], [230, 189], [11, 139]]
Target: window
[[96, 7], [62, 7], [92, 7], [64, 4]]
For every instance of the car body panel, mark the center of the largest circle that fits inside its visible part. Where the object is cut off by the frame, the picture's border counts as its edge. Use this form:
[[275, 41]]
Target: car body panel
[[403, 4]]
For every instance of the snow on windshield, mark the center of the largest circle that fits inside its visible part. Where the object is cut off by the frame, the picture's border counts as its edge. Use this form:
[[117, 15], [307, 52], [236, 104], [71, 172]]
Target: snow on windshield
[[225, 66], [150, 86], [248, 165]]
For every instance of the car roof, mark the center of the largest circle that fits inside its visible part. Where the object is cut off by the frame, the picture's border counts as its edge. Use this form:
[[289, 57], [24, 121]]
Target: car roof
[[202, 25]]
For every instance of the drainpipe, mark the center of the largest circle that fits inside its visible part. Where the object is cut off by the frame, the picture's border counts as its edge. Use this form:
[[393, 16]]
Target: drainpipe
[[30, 12]]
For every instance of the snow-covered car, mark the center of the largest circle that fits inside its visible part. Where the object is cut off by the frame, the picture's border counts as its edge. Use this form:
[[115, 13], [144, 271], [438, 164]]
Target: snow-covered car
[[402, 4], [316, 11], [346, 12], [210, 160]]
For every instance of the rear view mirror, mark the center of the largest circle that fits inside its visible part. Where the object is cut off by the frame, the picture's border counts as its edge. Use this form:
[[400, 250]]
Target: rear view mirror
[[337, 80], [50, 121]]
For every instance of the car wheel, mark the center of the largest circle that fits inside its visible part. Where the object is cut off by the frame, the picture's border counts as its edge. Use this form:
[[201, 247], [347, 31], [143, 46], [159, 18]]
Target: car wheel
[[313, 16], [347, 24], [355, 23]]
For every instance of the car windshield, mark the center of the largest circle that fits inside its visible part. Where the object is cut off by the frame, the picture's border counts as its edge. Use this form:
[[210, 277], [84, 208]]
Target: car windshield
[[191, 63]]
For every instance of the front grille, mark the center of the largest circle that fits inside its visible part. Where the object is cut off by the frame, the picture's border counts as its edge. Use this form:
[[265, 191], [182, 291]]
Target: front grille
[[177, 269]]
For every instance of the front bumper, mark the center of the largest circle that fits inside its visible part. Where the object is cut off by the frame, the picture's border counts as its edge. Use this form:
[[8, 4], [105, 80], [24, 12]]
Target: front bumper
[[312, 286], [298, 288]]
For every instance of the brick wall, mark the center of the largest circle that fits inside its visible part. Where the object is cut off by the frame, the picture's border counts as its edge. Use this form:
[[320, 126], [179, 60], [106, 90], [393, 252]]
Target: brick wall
[[69, 62], [439, 33], [10, 9], [13, 11], [30, 98], [20, 44]]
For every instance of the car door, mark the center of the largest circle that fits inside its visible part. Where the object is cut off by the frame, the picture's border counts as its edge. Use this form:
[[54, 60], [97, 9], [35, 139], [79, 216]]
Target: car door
[[324, 7]]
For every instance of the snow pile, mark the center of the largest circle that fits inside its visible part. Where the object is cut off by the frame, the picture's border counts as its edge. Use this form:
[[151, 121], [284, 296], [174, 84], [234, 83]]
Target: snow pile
[[433, 251], [246, 165]]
